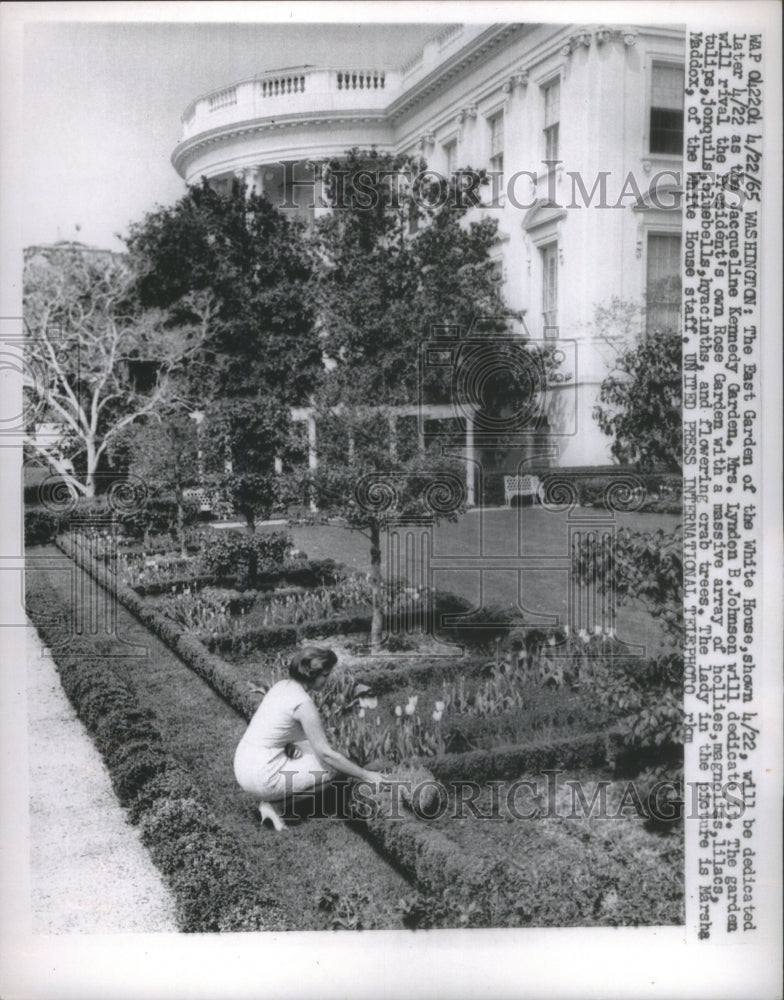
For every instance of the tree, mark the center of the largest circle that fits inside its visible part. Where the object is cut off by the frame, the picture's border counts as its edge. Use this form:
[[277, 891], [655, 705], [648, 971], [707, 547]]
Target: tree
[[164, 453], [388, 270], [362, 480], [642, 394], [96, 362], [262, 354], [244, 436]]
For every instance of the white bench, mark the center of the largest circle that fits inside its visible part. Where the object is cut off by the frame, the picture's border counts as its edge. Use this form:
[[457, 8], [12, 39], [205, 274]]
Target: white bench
[[521, 486], [205, 499]]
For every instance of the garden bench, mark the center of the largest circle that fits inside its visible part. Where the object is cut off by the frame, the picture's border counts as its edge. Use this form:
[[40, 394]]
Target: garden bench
[[524, 486]]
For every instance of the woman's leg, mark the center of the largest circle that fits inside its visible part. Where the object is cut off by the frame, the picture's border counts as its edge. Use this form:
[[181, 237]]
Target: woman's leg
[[268, 812]]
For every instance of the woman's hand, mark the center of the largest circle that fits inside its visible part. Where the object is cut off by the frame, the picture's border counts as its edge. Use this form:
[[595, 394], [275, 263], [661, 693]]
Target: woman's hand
[[375, 777]]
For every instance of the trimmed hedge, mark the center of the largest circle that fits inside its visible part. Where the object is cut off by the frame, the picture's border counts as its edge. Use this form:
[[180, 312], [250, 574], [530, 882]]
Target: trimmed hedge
[[271, 637], [219, 674], [560, 710], [313, 573], [215, 886], [41, 525], [382, 678], [470, 890], [587, 751]]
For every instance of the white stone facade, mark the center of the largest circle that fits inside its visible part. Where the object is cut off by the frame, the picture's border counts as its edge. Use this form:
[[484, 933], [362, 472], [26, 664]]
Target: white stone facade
[[572, 105]]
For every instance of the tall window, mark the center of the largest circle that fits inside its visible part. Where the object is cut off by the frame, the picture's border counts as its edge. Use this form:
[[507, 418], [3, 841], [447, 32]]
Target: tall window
[[450, 158], [550, 291], [666, 123], [552, 117], [496, 129], [663, 282]]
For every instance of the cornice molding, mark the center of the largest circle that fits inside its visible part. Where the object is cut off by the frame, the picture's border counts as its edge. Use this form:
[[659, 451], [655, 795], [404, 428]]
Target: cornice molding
[[253, 126], [479, 47]]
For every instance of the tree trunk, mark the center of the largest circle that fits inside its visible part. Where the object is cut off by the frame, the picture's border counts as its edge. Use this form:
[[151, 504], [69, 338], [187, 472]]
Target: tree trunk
[[181, 524], [92, 466], [377, 620]]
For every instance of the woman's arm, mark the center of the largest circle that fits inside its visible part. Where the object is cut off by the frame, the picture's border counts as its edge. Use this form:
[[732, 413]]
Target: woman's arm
[[307, 716]]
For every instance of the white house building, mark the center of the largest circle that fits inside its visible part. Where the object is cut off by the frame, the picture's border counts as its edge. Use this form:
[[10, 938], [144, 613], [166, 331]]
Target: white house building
[[580, 125]]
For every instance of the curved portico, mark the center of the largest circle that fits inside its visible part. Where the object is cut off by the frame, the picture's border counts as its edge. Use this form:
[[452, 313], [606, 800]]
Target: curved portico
[[260, 128]]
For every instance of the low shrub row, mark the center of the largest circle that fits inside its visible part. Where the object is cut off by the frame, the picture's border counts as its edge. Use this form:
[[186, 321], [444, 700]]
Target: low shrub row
[[424, 854], [662, 489], [298, 576], [392, 675], [219, 675], [271, 637], [457, 887], [589, 750], [543, 709], [215, 887]]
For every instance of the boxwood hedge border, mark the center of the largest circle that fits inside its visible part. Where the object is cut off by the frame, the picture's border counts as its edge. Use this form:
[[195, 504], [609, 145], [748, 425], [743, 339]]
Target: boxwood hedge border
[[423, 853], [216, 888]]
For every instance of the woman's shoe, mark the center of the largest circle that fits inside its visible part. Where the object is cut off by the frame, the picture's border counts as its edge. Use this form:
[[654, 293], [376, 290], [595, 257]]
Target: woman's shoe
[[268, 812]]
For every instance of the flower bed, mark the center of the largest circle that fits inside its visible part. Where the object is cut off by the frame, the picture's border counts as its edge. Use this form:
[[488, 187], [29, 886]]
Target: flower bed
[[474, 885]]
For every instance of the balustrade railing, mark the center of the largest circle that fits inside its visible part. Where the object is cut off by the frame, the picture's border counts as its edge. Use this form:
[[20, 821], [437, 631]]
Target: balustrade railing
[[361, 79], [222, 99], [279, 85]]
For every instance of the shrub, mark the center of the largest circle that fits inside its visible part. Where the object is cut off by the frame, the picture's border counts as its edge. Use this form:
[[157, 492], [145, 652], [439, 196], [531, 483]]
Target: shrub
[[243, 555], [495, 619], [41, 525], [215, 885], [645, 697], [573, 753]]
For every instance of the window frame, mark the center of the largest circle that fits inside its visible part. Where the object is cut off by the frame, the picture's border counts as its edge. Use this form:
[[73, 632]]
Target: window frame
[[671, 232], [544, 87], [549, 252], [495, 114], [656, 60]]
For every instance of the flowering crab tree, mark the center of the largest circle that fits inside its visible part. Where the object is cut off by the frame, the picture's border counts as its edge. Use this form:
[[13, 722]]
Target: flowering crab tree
[[95, 362]]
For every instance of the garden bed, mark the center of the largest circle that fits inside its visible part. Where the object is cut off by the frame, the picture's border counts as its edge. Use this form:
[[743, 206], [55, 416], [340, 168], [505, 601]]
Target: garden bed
[[465, 877]]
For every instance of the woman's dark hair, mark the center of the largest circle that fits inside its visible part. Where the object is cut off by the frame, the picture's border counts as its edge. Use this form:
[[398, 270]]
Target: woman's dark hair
[[306, 664]]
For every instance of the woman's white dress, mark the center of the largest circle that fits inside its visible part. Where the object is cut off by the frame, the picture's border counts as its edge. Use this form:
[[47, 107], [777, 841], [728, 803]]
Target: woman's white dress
[[261, 765]]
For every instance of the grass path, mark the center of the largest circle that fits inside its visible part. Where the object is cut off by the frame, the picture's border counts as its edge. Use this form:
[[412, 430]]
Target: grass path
[[201, 731]]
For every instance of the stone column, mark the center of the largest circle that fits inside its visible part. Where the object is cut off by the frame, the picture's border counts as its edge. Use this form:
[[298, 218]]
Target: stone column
[[470, 455]]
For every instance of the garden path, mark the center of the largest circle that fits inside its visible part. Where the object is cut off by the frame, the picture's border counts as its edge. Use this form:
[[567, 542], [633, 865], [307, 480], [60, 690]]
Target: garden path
[[89, 872], [201, 731]]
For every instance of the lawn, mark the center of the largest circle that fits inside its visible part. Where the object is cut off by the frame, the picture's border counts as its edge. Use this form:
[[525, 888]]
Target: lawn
[[497, 534]]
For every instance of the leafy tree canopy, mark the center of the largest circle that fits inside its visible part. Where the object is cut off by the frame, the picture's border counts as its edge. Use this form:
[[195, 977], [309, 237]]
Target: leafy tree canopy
[[642, 394], [250, 257]]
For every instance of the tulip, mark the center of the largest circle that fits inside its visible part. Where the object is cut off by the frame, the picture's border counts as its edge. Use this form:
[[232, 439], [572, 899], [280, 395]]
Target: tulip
[[361, 713], [398, 711], [440, 706], [410, 709], [437, 715]]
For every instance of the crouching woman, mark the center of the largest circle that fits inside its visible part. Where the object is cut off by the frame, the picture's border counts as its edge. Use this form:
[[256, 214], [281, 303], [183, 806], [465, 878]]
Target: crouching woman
[[285, 751]]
